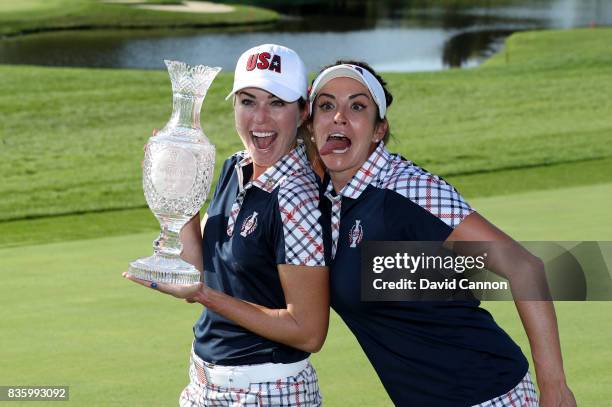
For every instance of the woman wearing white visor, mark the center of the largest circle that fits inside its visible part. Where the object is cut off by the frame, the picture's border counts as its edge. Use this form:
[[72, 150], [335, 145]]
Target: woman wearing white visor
[[266, 285], [426, 353]]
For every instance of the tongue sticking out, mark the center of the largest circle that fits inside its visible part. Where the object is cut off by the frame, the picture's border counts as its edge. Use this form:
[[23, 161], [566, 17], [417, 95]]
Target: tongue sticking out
[[335, 145], [264, 142]]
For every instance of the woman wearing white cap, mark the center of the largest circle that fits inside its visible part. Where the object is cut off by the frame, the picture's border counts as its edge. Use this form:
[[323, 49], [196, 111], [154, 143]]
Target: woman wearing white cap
[[266, 292], [445, 353]]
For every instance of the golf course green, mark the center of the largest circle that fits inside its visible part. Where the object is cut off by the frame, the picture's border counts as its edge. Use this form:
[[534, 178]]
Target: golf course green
[[527, 138]]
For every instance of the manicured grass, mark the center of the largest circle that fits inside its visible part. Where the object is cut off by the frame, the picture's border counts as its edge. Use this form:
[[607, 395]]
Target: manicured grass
[[119, 222], [560, 49], [17, 17], [577, 213], [73, 138], [51, 229], [69, 318]]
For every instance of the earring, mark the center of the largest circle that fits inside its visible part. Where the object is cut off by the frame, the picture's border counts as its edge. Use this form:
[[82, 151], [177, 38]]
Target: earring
[[312, 139]]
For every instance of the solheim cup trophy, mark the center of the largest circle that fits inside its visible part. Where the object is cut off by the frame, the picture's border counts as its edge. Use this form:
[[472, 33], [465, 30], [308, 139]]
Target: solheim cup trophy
[[177, 174]]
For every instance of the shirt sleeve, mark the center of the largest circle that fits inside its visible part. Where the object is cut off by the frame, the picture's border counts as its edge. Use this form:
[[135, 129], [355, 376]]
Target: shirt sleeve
[[430, 192], [408, 221], [439, 198], [299, 235]]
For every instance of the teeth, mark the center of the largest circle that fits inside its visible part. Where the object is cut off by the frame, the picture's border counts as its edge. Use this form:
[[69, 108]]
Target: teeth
[[337, 135], [263, 133], [344, 150]]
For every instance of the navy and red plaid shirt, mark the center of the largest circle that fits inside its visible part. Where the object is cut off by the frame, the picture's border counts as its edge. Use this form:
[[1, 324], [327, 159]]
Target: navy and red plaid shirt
[[388, 172], [425, 353], [252, 227]]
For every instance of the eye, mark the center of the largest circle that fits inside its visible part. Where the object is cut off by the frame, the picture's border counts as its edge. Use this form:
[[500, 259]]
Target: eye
[[325, 106], [358, 106], [247, 102], [277, 103]]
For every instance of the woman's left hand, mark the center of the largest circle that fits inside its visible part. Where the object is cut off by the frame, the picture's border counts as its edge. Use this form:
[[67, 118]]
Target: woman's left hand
[[556, 396], [187, 292]]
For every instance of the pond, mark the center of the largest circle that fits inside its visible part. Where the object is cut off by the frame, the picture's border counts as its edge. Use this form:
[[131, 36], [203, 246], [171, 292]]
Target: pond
[[393, 35]]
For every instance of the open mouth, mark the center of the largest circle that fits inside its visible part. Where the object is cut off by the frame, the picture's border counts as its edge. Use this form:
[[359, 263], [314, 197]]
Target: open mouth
[[336, 143], [263, 139]]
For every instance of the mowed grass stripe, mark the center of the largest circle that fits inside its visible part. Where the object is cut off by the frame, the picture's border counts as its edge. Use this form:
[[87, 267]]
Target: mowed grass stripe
[[69, 318], [72, 138], [49, 229], [578, 213]]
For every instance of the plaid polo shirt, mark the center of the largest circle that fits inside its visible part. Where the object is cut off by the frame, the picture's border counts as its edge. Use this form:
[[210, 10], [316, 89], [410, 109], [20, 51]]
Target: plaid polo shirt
[[252, 227], [425, 353], [390, 172]]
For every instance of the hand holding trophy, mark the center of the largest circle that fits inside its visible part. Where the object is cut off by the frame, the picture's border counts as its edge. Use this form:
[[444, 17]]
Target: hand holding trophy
[[177, 175]]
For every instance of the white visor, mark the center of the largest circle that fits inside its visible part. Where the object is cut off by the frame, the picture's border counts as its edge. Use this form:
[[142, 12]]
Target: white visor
[[355, 72]]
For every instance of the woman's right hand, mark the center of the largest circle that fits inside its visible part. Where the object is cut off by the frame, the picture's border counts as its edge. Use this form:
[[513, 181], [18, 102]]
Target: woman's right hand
[[556, 395], [186, 292]]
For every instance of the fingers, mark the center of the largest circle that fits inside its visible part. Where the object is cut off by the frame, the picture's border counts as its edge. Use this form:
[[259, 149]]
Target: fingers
[[145, 283], [144, 148], [153, 134], [184, 291], [149, 284]]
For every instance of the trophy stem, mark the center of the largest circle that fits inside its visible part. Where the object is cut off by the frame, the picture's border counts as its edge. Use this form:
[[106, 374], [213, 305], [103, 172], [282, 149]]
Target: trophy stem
[[166, 264], [169, 242]]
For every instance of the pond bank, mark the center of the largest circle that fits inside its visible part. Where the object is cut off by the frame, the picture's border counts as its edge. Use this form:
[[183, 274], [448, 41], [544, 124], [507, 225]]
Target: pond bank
[[43, 16]]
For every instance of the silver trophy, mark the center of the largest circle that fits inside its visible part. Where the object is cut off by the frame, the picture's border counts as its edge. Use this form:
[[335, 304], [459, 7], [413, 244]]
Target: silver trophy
[[177, 174]]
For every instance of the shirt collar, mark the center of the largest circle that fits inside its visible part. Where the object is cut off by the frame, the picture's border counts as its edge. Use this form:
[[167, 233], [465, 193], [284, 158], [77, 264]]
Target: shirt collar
[[290, 164], [374, 167]]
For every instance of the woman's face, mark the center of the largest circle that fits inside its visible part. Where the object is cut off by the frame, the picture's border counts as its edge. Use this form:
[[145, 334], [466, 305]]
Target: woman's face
[[345, 125], [266, 124]]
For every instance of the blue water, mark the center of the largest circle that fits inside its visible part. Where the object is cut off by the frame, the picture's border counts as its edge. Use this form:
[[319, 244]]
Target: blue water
[[402, 39]]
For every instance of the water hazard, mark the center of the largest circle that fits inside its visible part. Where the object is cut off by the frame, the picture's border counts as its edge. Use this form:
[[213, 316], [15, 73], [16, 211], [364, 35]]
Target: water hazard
[[399, 36]]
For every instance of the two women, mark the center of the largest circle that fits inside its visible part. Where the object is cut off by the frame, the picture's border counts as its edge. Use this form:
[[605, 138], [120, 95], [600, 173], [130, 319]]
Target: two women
[[266, 292], [425, 353]]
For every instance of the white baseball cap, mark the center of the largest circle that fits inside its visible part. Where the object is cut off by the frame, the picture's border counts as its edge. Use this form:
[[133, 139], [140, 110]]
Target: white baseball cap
[[355, 72], [273, 68]]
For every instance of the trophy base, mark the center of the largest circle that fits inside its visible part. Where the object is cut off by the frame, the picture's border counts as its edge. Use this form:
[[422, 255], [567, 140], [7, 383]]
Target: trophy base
[[164, 269]]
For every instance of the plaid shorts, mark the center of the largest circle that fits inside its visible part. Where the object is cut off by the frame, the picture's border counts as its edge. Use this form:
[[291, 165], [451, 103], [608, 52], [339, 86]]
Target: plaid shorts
[[523, 395], [301, 390]]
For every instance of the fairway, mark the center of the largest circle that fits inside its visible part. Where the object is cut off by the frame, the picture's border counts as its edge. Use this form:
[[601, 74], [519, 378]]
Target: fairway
[[73, 320], [577, 213]]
